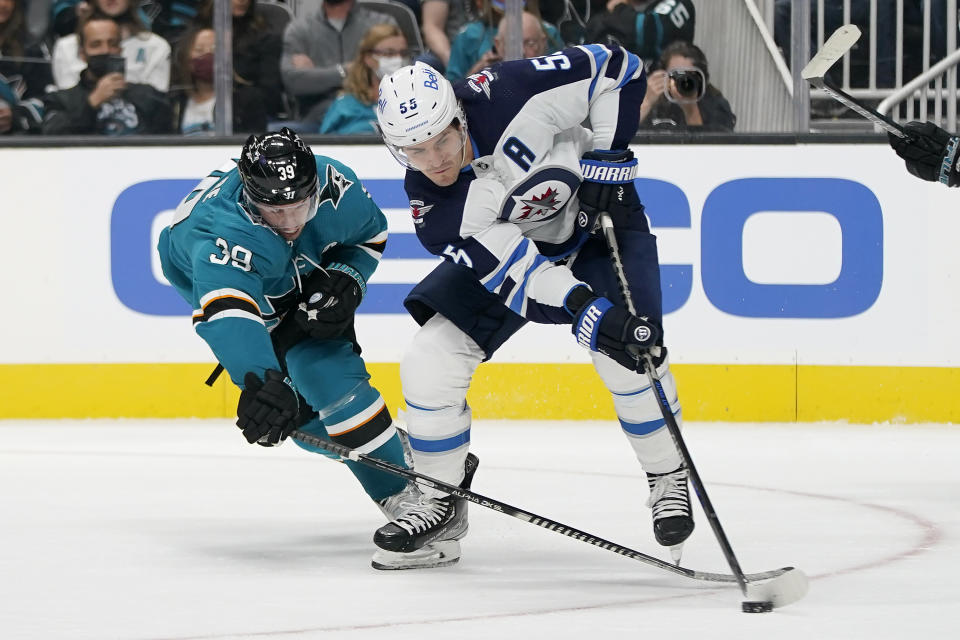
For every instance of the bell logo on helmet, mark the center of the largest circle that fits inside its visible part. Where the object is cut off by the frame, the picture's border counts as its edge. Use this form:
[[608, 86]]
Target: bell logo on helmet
[[431, 81]]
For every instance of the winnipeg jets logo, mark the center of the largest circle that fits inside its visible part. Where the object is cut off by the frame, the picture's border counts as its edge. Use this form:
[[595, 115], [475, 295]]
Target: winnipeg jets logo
[[539, 206], [418, 209], [336, 185], [480, 82]]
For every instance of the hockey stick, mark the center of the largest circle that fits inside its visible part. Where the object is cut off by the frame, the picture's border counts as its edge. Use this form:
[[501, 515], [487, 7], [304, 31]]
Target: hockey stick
[[815, 73], [791, 584], [521, 514]]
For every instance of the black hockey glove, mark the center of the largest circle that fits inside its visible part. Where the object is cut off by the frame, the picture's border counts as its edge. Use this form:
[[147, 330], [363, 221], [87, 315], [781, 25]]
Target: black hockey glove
[[330, 300], [600, 325], [930, 152], [607, 186], [268, 409]]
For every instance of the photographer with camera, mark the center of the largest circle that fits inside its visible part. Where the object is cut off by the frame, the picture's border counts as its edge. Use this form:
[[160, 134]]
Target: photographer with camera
[[103, 101], [680, 97]]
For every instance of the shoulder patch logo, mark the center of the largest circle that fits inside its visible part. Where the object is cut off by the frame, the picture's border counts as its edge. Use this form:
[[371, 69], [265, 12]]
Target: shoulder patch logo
[[480, 82], [418, 209], [334, 188]]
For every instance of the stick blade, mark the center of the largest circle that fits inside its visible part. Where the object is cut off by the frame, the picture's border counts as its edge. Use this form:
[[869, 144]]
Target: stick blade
[[831, 51], [783, 590]]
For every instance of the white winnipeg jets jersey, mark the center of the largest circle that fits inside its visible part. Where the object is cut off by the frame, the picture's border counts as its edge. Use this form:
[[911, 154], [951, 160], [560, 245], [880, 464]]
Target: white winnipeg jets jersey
[[513, 213]]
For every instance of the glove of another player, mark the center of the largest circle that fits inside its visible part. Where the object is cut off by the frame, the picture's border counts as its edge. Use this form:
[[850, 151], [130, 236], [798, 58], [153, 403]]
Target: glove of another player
[[268, 409], [607, 183], [331, 299], [600, 325], [930, 152]]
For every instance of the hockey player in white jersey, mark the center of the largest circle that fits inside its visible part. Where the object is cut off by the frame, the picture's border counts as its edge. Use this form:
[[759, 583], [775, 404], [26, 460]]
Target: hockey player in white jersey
[[506, 185]]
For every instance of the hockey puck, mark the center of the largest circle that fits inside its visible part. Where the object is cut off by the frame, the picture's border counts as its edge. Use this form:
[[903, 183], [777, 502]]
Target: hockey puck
[[756, 606]]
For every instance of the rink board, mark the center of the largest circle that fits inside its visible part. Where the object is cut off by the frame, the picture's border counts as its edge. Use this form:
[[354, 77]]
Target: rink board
[[810, 282]]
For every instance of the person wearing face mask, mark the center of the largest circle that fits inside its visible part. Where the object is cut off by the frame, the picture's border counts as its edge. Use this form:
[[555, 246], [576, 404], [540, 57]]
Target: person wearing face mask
[[103, 101], [382, 51], [147, 55], [195, 96], [316, 50]]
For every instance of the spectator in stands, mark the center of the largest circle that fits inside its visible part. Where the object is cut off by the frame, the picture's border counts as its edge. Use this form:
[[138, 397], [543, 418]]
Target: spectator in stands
[[257, 45], [103, 102], [66, 15], [24, 66], [474, 47], [24, 73], [194, 96], [383, 50], [147, 54], [316, 47], [680, 96], [441, 21], [645, 28], [172, 18]]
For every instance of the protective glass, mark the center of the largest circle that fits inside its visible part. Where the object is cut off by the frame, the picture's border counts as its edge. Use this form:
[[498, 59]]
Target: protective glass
[[436, 153]]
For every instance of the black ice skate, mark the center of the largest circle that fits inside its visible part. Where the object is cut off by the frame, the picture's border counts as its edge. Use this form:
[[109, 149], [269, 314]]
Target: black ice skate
[[670, 501], [421, 532]]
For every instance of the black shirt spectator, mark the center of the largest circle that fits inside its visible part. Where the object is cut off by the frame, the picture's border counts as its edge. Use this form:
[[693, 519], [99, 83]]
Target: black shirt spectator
[[257, 45], [693, 103], [103, 102]]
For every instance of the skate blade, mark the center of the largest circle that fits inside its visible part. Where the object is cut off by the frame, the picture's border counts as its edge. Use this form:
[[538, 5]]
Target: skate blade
[[431, 556], [676, 552]]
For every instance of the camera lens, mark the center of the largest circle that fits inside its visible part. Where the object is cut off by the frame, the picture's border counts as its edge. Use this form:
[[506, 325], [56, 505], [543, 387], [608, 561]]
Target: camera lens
[[686, 85]]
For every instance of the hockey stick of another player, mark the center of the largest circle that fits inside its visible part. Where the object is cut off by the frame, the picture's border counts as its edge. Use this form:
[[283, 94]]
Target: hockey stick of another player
[[521, 514], [784, 589], [815, 73]]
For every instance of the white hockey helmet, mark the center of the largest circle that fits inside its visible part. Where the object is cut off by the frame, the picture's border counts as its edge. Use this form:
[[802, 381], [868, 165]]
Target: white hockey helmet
[[416, 103]]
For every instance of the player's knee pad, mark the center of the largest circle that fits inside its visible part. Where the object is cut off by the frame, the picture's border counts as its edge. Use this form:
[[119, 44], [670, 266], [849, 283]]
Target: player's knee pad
[[437, 368]]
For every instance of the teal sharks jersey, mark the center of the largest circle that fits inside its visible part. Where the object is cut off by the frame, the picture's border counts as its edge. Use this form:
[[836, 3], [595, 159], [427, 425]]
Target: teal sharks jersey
[[241, 276]]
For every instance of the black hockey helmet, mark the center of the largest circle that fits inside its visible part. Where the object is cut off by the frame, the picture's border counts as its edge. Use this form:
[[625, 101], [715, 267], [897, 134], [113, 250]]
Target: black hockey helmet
[[278, 168]]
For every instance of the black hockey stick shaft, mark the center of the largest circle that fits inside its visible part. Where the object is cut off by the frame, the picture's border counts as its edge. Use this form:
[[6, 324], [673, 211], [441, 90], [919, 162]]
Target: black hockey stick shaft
[[521, 514], [606, 224], [874, 116]]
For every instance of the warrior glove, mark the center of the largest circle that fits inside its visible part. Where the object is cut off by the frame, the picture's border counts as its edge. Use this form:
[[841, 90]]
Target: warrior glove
[[608, 184], [331, 298], [600, 325], [268, 409], [930, 152]]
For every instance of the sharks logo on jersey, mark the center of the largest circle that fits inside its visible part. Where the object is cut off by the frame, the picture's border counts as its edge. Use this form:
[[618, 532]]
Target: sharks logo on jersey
[[540, 197], [336, 185]]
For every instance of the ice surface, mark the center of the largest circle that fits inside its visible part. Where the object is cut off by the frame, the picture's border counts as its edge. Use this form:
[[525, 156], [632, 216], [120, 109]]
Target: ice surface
[[178, 530]]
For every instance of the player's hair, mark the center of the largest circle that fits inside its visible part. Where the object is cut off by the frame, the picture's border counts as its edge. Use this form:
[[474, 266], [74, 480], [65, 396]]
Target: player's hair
[[11, 33], [360, 77], [93, 17]]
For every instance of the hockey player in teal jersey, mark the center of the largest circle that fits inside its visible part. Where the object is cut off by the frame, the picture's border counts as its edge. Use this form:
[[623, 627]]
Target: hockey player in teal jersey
[[274, 251]]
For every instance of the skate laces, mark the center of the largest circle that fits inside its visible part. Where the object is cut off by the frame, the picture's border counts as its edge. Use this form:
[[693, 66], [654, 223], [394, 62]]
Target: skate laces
[[668, 494], [422, 515], [396, 504]]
